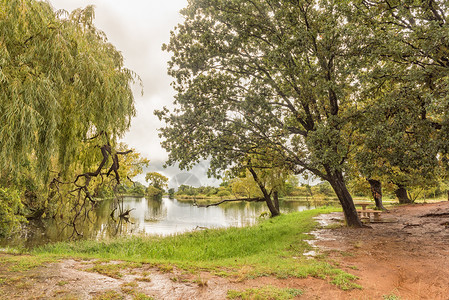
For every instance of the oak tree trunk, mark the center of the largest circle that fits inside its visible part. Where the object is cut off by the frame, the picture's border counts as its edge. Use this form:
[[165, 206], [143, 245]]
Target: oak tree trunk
[[376, 191], [338, 184], [402, 195]]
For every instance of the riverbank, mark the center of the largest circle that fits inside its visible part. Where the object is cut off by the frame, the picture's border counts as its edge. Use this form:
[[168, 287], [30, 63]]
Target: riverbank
[[402, 258], [262, 246], [274, 248]]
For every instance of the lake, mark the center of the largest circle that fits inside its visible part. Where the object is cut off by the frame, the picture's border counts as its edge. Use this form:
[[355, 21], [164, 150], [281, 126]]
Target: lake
[[151, 217]]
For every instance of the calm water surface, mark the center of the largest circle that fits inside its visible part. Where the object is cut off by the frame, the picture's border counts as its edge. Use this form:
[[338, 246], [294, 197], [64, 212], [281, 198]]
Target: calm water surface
[[152, 217]]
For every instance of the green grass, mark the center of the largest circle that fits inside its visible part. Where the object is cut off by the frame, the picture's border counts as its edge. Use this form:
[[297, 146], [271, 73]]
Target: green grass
[[286, 232], [391, 297], [345, 281], [112, 270], [264, 293], [62, 283], [274, 247], [109, 295], [19, 263], [130, 288]]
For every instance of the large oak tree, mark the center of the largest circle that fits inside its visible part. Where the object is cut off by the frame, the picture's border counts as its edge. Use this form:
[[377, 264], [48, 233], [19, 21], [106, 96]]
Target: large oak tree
[[405, 124], [263, 74]]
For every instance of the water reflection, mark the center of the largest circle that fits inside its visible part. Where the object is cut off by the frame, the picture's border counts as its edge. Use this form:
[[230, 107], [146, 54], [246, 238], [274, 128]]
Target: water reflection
[[160, 217]]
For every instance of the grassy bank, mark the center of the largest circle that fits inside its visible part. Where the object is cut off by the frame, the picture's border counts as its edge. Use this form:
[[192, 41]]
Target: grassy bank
[[273, 247]]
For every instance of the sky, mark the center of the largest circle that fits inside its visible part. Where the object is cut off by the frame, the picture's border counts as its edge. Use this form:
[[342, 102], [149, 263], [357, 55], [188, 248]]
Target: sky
[[138, 28]]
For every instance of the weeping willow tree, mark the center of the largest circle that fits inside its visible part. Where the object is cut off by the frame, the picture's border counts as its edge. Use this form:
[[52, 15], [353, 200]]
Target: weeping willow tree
[[62, 85]]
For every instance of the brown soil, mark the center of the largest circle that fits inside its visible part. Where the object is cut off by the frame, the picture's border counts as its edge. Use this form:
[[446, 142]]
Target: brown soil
[[404, 258], [407, 257]]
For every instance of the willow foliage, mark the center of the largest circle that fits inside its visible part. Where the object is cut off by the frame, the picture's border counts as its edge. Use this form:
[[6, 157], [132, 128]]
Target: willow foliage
[[61, 82], [10, 209]]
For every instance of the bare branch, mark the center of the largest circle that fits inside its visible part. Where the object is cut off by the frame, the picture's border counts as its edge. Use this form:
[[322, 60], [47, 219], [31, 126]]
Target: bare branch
[[257, 199]]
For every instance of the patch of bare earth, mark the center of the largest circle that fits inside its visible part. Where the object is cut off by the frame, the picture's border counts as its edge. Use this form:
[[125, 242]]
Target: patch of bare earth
[[407, 257], [77, 279]]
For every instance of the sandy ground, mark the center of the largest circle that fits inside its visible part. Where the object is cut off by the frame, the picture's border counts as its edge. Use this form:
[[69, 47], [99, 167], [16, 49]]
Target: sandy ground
[[404, 258]]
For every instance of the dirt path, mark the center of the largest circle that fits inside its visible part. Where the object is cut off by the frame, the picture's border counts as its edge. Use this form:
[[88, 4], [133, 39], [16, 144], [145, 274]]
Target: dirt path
[[407, 259]]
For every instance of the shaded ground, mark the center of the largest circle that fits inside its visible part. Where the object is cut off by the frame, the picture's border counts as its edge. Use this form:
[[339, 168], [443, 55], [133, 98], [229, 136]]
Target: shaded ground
[[406, 258]]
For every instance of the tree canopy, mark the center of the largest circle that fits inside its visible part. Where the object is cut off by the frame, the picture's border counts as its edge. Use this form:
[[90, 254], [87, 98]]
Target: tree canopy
[[61, 83], [405, 118], [312, 84], [156, 184], [157, 180], [258, 75]]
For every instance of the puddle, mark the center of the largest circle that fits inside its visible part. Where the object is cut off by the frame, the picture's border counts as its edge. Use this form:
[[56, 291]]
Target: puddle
[[326, 220], [311, 253], [320, 235]]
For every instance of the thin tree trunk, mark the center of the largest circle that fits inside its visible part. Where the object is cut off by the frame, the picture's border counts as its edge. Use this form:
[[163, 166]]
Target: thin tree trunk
[[276, 200], [338, 184], [376, 191], [274, 212], [402, 195]]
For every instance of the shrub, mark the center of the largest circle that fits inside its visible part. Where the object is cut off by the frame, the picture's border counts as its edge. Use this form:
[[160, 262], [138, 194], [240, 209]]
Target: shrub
[[153, 192], [10, 211]]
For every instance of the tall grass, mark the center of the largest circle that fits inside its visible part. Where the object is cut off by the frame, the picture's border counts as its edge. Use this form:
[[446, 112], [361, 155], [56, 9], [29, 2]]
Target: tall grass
[[286, 232], [272, 247]]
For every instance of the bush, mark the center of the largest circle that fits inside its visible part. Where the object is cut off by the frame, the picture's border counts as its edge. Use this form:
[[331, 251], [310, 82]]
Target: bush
[[171, 193], [10, 211], [138, 190], [223, 193], [326, 189], [105, 191], [153, 192]]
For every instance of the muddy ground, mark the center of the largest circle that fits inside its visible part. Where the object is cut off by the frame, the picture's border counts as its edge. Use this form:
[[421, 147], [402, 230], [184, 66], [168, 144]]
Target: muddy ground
[[406, 257]]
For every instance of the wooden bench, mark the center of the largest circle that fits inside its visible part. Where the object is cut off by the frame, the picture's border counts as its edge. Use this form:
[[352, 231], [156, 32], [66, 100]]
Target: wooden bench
[[366, 214]]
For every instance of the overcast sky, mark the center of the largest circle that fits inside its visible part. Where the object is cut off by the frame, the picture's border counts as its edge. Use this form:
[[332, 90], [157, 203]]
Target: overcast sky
[[138, 28]]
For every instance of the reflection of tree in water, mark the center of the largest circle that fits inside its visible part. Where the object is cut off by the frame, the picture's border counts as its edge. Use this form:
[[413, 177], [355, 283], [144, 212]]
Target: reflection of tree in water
[[292, 206], [98, 224], [156, 210], [104, 220], [101, 225], [119, 219], [244, 212]]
